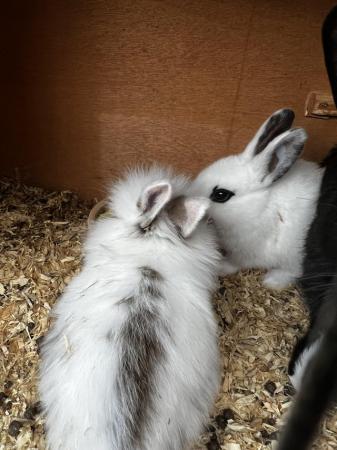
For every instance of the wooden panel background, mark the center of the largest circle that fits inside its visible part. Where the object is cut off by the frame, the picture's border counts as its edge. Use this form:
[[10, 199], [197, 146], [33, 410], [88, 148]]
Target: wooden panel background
[[91, 86]]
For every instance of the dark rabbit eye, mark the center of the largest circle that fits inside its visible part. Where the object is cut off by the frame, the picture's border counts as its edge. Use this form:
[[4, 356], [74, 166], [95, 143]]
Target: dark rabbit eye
[[220, 195]]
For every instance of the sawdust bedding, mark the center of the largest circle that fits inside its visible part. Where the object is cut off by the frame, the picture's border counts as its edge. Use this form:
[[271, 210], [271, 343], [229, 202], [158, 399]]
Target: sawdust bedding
[[40, 251]]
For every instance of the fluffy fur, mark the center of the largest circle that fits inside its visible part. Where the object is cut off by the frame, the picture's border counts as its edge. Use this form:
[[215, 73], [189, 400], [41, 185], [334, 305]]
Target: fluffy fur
[[131, 362], [265, 222]]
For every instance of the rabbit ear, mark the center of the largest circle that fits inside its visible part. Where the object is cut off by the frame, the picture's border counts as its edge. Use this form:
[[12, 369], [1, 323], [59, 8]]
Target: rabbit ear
[[276, 124], [281, 154], [186, 213], [153, 199]]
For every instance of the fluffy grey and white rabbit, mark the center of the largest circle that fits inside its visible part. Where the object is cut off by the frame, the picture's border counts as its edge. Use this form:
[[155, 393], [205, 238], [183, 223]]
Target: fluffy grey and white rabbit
[[263, 201], [313, 366], [131, 362]]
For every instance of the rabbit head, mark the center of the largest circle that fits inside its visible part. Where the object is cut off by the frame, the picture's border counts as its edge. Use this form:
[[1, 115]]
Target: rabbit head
[[235, 179], [151, 203]]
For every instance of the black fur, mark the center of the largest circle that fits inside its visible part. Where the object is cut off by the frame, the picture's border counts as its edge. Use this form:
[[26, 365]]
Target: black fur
[[319, 384], [331, 158], [318, 286], [329, 39], [320, 261]]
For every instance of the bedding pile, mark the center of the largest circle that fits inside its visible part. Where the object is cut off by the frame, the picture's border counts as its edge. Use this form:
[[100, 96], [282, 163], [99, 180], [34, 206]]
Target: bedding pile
[[40, 251]]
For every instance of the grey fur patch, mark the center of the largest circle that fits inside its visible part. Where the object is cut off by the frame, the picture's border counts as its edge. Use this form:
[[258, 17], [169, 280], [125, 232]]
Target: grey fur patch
[[152, 274], [150, 281], [142, 353]]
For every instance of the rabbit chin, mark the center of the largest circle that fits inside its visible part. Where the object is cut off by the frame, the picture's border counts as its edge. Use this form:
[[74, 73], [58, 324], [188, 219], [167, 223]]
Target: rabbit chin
[[302, 364]]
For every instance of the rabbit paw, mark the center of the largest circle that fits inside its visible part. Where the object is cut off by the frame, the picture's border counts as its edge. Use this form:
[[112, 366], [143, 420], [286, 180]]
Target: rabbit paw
[[227, 268], [278, 279]]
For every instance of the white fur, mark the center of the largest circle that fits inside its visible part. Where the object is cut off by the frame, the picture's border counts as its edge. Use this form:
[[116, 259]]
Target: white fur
[[80, 357], [264, 225], [302, 364]]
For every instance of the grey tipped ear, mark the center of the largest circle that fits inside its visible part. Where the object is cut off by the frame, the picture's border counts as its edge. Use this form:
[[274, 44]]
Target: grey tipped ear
[[186, 213], [153, 199], [277, 123], [282, 153]]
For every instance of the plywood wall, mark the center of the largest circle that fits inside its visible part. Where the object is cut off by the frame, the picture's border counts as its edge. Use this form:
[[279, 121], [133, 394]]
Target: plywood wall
[[91, 86]]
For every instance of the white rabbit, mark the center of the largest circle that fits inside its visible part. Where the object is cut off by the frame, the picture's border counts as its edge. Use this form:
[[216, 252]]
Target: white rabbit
[[131, 362], [263, 201]]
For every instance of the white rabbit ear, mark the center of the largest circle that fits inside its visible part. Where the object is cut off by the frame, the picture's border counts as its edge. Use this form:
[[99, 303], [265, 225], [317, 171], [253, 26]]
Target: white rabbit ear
[[281, 154], [276, 124], [154, 198], [186, 213]]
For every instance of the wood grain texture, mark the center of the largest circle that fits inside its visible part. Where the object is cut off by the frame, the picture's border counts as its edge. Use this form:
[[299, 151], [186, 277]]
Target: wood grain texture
[[92, 86]]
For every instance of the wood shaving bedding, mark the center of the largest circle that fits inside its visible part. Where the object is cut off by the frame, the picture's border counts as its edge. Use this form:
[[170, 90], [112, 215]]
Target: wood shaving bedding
[[40, 251]]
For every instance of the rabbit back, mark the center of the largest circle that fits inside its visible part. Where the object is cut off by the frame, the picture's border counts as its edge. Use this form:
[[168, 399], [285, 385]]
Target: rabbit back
[[132, 359]]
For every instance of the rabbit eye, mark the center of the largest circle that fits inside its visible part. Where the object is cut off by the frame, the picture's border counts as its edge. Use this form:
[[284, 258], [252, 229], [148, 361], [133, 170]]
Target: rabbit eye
[[220, 195]]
